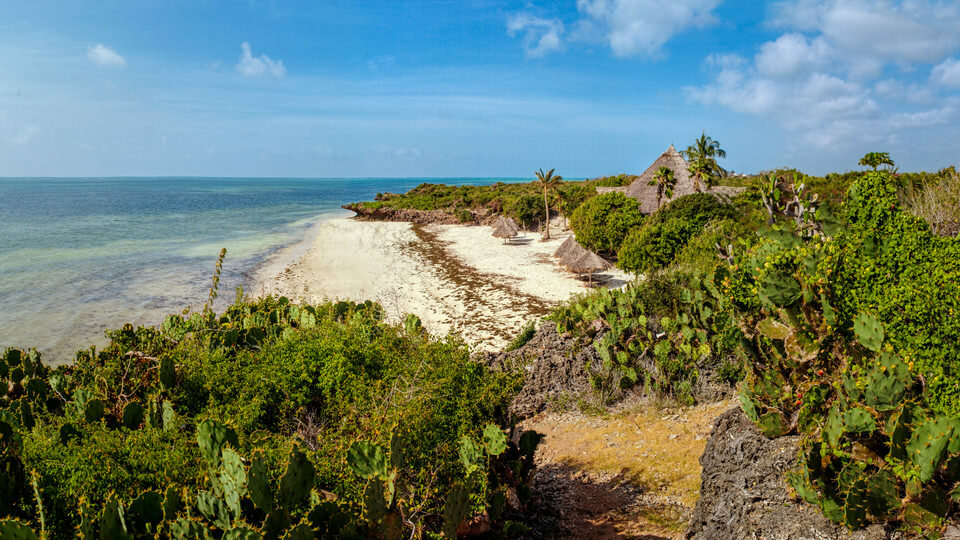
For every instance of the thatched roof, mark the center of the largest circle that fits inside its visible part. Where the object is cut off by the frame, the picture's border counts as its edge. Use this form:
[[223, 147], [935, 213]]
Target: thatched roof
[[588, 262], [641, 189], [647, 194], [508, 221], [574, 252], [566, 246], [504, 231]]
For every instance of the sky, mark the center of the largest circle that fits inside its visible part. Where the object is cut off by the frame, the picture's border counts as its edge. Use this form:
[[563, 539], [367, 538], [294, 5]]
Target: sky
[[470, 88]]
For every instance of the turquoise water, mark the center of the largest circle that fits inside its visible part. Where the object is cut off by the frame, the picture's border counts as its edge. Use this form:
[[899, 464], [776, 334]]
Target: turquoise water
[[80, 255]]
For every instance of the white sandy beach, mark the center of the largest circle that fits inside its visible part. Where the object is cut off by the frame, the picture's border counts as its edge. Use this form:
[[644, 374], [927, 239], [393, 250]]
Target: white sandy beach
[[455, 278]]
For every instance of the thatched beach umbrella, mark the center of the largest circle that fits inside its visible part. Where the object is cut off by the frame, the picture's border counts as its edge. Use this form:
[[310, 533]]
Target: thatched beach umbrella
[[504, 231], [574, 252], [589, 263], [566, 246], [508, 221]]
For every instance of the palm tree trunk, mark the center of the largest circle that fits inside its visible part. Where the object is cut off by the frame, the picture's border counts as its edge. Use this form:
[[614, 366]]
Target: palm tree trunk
[[546, 206]]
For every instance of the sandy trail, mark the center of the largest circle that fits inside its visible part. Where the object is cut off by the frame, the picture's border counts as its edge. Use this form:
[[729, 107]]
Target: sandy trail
[[456, 278]]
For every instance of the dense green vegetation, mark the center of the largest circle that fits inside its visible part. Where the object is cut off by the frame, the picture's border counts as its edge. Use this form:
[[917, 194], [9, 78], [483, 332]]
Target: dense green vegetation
[[602, 222], [841, 314], [271, 418], [512, 199], [853, 342], [657, 243]]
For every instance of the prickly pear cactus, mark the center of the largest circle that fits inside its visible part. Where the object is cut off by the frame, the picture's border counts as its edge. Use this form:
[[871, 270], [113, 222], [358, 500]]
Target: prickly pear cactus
[[297, 480], [368, 460], [456, 509]]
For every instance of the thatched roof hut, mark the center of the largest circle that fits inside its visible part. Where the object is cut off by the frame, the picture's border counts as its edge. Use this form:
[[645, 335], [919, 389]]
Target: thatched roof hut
[[641, 190], [566, 246], [588, 263], [647, 194], [504, 231]]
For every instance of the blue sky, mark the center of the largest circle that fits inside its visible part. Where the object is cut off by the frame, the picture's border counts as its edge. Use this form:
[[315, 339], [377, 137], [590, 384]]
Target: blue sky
[[471, 88]]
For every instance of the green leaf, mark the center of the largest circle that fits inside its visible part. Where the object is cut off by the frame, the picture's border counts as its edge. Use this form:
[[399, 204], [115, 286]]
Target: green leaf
[[368, 460], [869, 331], [494, 440]]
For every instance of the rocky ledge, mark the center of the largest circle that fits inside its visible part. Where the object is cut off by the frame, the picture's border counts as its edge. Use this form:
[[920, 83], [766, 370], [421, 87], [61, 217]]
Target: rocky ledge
[[744, 494]]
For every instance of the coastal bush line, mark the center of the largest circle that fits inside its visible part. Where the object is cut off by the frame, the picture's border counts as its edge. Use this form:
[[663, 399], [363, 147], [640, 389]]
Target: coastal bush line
[[270, 420]]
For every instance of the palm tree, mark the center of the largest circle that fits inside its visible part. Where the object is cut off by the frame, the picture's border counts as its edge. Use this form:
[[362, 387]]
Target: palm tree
[[702, 156], [664, 180], [548, 181]]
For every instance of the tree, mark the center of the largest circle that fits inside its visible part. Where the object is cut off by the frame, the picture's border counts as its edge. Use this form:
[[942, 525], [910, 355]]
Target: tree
[[875, 159], [664, 180], [547, 181], [601, 223], [572, 196], [702, 155]]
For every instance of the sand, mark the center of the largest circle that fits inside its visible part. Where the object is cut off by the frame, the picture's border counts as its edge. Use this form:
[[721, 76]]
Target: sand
[[456, 278]]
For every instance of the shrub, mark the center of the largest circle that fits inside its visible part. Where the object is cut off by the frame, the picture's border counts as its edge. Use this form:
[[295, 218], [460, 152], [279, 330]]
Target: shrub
[[938, 203], [601, 223], [654, 246], [523, 337], [526, 208], [701, 253], [121, 423], [696, 209]]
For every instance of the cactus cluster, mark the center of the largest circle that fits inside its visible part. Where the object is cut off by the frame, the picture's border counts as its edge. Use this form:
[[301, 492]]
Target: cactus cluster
[[658, 346], [874, 449]]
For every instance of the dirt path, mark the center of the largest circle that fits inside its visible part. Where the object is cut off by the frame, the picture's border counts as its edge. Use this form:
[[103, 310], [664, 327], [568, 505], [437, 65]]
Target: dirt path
[[634, 473]]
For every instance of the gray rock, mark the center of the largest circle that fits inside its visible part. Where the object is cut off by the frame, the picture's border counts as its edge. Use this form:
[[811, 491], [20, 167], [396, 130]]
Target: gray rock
[[744, 494]]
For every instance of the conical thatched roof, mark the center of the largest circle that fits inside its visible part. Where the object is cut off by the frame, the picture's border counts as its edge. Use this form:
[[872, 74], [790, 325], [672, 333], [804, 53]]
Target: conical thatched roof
[[508, 221], [566, 246], [588, 262], [573, 253], [641, 189], [504, 231]]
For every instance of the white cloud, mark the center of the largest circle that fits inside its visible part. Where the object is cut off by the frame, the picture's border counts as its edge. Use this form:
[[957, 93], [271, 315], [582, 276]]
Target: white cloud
[[540, 36], [947, 73], [843, 72], [25, 134], [105, 56], [633, 27], [867, 36], [258, 66], [790, 55], [628, 27]]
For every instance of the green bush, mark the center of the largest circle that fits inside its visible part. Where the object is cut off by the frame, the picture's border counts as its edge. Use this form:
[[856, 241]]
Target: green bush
[[121, 423], [666, 232], [601, 223], [654, 246], [526, 209], [701, 252], [696, 209], [523, 337]]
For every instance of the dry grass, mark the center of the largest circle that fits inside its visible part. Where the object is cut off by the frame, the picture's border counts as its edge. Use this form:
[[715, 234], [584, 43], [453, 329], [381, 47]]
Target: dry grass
[[654, 447], [939, 205]]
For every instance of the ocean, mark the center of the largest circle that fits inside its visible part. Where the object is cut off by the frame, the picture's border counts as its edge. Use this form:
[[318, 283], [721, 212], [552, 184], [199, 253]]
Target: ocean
[[82, 255]]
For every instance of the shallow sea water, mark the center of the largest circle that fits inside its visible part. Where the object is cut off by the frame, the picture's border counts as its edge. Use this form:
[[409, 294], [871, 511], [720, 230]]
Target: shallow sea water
[[82, 255]]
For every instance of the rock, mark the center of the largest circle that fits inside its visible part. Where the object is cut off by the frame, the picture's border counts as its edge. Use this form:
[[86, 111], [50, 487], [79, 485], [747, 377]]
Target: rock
[[555, 371], [743, 492]]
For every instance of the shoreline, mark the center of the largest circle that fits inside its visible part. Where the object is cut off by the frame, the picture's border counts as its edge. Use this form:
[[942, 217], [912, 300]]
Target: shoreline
[[456, 278]]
